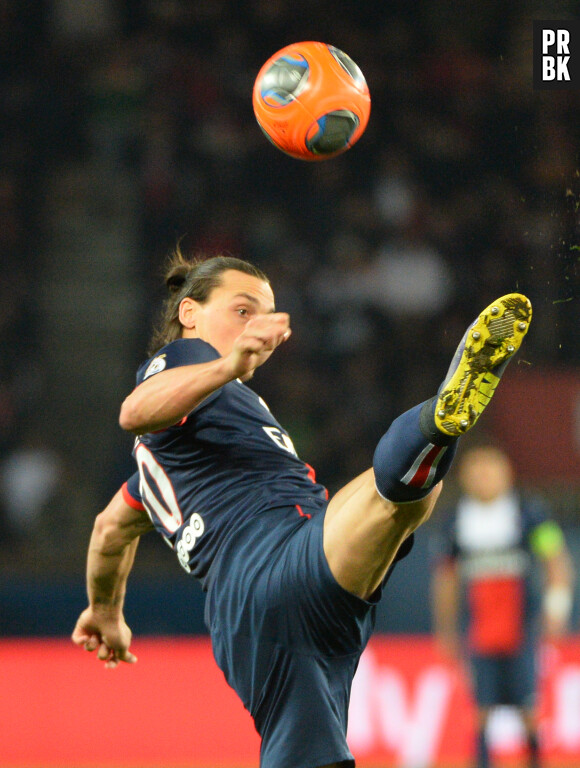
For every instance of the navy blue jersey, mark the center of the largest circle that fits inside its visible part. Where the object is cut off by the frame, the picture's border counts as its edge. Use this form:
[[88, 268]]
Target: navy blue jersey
[[224, 463], [495, 545]]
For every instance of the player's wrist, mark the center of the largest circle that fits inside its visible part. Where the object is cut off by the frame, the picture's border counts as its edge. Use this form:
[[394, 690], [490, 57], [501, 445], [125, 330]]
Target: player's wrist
[[108, 605], [233, 366]]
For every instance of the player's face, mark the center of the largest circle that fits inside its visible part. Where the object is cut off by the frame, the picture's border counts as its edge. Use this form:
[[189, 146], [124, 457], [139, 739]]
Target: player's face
[[230, 306], [486, 474]]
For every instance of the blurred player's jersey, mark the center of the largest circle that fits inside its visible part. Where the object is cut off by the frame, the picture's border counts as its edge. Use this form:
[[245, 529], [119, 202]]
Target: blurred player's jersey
[[221, 465], [493, 544]]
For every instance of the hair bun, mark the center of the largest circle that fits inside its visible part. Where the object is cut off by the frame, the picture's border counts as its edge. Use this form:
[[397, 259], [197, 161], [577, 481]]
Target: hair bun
[[177, 277]]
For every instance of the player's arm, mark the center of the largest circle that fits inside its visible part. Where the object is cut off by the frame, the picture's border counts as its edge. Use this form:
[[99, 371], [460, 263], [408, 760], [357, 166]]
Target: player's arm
[[445, 595], [111, 554], [547, 540], [167, 397]]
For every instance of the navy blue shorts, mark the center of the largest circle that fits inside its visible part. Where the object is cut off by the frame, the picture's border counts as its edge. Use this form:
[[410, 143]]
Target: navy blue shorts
[[509, 680], [288, 637]]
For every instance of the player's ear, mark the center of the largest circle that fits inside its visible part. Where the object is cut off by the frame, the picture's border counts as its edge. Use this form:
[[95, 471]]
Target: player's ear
[[188, 309]]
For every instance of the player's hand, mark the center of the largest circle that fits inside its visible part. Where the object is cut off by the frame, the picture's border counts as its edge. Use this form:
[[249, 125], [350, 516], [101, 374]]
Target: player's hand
[[110, 637], [257, 341]]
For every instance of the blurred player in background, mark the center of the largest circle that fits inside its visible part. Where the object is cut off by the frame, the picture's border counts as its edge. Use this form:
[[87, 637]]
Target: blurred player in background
[[292, 580], [488, 547]]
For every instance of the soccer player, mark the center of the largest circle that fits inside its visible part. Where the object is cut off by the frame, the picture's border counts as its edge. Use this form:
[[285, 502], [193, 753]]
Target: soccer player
[[292, 579], [488, 548]]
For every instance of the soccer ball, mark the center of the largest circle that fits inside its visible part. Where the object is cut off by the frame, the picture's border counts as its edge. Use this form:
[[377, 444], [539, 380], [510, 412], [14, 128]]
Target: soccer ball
[[311, 100]]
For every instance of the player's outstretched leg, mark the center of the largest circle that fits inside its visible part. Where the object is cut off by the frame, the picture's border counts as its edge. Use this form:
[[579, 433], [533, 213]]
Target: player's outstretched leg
[[418, 448], [479, 362], [368, 520]]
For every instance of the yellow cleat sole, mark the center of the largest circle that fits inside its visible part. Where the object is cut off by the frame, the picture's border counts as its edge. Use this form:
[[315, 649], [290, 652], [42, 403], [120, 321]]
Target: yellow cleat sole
[[491, 342]]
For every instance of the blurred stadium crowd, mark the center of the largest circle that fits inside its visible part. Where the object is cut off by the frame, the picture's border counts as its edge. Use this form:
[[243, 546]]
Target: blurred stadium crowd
[[127, 126]]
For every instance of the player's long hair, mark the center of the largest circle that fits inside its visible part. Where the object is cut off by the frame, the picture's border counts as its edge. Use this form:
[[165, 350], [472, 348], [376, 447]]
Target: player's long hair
[[194, 278]]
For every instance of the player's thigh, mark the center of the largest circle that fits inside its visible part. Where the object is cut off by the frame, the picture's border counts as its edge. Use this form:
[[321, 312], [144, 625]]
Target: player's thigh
[[363, 531]]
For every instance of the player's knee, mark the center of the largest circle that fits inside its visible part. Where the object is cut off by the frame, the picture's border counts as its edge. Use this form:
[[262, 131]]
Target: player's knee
[[418, 512]]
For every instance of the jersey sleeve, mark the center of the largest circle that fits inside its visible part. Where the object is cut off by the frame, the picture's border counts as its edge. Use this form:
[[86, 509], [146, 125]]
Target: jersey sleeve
[[545, 537], [176, 354], [131, 494], [179, 352]]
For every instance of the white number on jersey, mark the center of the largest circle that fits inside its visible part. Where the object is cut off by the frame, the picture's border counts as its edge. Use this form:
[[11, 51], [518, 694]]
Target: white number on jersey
[[168, 512], [189, 536]]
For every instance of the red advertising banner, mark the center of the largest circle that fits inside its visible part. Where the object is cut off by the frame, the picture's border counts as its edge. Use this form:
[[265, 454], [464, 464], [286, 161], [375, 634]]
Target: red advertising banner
[[410, 707], [59, 706]]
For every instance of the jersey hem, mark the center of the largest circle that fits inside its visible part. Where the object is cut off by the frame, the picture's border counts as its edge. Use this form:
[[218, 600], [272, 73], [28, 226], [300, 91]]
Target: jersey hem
[[129, 500]]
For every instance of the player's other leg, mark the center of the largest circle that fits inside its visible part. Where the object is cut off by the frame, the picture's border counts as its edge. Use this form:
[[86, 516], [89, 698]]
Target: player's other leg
[[367, 521], [530, 721], [482, 752]]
